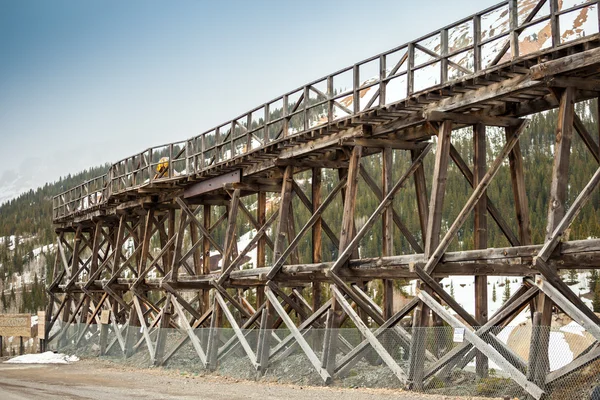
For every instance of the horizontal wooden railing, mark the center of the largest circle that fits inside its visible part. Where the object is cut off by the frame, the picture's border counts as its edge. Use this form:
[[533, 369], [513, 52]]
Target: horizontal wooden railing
[[498, 35]]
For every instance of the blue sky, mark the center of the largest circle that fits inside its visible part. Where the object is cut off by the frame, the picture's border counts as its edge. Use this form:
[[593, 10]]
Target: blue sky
[[88, 82]]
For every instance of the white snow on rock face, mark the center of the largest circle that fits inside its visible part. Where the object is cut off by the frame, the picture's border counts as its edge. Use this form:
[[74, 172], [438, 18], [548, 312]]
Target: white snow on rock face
[[43, 358]]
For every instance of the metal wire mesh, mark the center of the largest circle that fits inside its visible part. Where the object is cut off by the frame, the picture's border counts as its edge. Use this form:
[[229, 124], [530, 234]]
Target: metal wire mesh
[[465, 375]]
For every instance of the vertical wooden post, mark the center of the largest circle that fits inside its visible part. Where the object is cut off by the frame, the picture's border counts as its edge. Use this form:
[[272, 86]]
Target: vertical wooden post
[[171, 233], [133, 328], [261, 254], [213, 337], [291, 233], [556, 206], [163, 329], [197, 257], [206, 215], [264, 336], [517, 176], [421, 192], [562, 153], [480, 239], [65, 319], [21, 347], [538, 361], [350, 198], [284, 209], [317, 232], [387, 227], [434, 223], [147, 233]]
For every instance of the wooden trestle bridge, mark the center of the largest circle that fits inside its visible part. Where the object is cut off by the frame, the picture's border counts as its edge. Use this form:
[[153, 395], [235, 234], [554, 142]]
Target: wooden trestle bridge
[[491, 69]]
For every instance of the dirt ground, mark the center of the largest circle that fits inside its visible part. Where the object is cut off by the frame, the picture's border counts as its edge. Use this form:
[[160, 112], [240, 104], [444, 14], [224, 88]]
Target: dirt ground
[[100, 379]]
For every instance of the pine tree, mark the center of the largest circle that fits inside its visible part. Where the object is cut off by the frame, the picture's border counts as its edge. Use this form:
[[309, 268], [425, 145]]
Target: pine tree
[[452, 288], [572, 277], [596, 300], [593, 280], [506, 294], [494, 293]]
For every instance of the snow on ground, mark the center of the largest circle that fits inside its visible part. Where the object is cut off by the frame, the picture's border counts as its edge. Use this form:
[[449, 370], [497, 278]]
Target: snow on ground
[[464, 293], [10, 240], [43, 358]]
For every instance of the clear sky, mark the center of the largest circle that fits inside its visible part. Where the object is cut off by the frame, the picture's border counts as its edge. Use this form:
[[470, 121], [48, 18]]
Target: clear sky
[[88, 82]]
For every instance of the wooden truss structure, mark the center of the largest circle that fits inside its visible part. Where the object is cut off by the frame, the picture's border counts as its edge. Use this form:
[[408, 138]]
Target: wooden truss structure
[[147, 255]]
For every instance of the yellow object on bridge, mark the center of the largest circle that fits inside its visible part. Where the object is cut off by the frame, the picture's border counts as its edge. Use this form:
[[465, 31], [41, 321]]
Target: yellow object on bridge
[[163, 165]]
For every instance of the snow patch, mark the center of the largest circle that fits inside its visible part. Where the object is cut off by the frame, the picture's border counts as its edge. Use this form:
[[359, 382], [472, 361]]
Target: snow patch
[[43, 358]]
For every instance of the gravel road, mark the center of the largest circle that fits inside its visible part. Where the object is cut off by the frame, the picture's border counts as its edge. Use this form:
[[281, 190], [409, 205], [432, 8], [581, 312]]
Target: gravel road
[[99, 379]]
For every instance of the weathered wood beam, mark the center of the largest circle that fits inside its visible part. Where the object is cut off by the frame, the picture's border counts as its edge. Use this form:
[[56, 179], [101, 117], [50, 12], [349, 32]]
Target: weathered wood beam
[[471, 119], [480, 238], [586, 137], [284, 209], [298, 336], [565, 64], [383, 143], [395, 217], [346, 251], [317, 234], [482, 346], [473, 199], [309, 224], [236, 329], [387, 228], [373, 341], [491, 208]]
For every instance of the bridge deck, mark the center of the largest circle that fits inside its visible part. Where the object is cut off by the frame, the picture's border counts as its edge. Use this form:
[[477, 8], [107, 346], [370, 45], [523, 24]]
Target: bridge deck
[[479, 65]]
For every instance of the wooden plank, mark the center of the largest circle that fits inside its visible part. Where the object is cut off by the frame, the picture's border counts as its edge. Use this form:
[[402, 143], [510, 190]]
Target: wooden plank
[[213, 337], [347, 230], [395, 217], [558, 231], [346, 251], [473, 199], [193, 219], [309, 224], [517, 176], [565, 64], [480, 239], [230, 232], [438, 189], [586, 137], [298, 336], [284, 209], [236, 329], [373, 341], [471, 119], [560, 167], [145, 332], [507, 312], [573, 366], [211, 184], [189, 330], [387, 227], [494, 212], [253, 243], [482, 346], [350, 359], [317, 234], [575, 311]]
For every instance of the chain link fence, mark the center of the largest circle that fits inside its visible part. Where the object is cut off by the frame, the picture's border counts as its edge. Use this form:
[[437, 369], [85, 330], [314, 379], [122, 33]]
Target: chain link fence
[[467, 374]]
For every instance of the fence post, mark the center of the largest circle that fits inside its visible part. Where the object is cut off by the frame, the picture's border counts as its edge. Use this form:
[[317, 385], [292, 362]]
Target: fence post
[[21, 348], [1, 347]]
